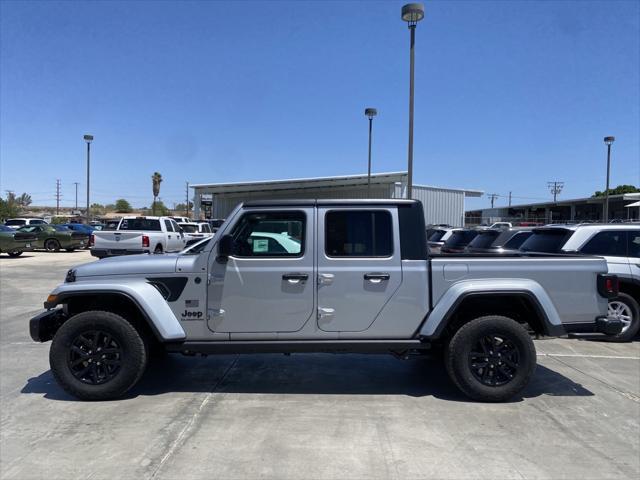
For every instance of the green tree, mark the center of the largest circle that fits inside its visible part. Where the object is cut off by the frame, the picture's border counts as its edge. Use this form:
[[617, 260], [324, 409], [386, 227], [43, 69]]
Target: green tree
[[24, 200], [58, 220], [123, 206], [620, 189], [9, 207], [97, 209], [156, 180], [160, 209], [182, 207]]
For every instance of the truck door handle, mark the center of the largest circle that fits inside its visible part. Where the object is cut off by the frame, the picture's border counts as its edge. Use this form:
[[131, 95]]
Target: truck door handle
[[295, 277], [376, 277]]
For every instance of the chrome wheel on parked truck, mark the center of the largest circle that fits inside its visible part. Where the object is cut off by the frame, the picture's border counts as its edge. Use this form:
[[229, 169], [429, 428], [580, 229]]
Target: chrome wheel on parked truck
[[625, 309]]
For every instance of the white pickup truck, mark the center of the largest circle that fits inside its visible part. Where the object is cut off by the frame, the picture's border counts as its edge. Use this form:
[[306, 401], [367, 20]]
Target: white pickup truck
[[136, 235]]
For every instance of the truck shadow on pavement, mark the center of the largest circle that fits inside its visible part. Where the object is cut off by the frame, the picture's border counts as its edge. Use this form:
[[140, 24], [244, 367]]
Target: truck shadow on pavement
[[316, 374]]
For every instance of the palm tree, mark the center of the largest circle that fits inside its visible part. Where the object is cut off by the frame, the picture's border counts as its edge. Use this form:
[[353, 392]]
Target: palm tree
[[156, 178]]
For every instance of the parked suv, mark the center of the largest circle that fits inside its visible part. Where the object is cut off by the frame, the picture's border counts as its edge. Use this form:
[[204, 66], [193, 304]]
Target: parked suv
[[437, 237], [618, 243], [500, 241], [458, 240]]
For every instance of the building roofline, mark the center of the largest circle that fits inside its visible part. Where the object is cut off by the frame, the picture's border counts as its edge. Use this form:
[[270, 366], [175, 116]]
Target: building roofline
[[564, 203]]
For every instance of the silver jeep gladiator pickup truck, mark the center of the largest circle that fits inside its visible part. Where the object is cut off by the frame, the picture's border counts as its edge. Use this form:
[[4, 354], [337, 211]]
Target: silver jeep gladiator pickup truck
[[320, 276]]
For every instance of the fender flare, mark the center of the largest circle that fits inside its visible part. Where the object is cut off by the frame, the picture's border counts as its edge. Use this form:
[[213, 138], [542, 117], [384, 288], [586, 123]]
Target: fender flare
[[439, 317], [151, 304]]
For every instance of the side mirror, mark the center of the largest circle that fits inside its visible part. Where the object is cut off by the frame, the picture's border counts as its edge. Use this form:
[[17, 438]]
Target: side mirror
[[225, 247]]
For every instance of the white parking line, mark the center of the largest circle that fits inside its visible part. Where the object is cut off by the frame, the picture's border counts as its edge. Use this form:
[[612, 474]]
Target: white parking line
[[616, 357]]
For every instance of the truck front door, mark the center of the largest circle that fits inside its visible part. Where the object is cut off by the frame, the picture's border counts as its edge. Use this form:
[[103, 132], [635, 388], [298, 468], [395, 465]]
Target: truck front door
[[359, 265], [267, 284]]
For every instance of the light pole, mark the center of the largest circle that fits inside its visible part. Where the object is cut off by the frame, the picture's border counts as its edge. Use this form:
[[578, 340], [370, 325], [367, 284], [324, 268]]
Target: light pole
[[370, 113], [412, 13], [608, 141], [88, 139]]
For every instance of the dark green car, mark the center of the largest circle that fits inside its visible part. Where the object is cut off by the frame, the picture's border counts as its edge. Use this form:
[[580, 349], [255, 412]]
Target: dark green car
[[54, 237], [14, 243]]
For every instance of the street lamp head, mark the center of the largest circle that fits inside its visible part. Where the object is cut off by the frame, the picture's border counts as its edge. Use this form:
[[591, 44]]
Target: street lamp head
[[370, 112], [412, 13], [88, 138], [609, 140]]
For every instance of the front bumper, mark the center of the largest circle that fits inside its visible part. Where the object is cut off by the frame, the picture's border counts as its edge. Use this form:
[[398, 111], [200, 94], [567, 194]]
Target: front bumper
[[43, 327], [606, 325], [115, 252]]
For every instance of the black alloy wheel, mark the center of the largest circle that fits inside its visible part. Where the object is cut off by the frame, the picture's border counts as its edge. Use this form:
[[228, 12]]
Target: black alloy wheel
[[494, 361], [95, 357]]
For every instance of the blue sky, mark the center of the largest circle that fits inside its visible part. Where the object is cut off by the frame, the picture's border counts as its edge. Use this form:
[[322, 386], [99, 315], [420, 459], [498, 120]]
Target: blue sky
[[509, 95]]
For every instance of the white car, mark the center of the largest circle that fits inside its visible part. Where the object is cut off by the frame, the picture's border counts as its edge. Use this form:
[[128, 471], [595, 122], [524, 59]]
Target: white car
[[618, 243], [195, 231], [16, 223]]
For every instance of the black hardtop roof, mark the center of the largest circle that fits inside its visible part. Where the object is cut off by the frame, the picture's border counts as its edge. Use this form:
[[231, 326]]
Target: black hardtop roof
[[347, 202]]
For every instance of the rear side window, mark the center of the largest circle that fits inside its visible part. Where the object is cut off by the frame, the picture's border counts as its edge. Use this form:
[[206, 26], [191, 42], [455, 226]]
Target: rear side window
[[517, 240], [634, 243], [460, 238], [546, 241], [152, 225], [436, 235], [37, 222], [484, 239], [270, 234], [15, 222], [358, 233], [610, 243]]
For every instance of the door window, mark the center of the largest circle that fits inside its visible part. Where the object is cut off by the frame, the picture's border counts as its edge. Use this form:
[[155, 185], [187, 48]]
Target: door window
[[270, 234], [168, 225], [358, 233], [609, 243], [634, 243]]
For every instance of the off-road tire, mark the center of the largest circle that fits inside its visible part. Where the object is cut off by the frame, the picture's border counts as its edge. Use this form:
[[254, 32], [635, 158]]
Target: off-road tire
[[632, 306], [132, 347], [51, 245], [465, 340], [14, 254]]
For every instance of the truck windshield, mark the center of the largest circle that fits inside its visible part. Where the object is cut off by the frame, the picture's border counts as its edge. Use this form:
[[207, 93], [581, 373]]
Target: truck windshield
[[546, 241], [484, 239], [148, 224], [460, 238]]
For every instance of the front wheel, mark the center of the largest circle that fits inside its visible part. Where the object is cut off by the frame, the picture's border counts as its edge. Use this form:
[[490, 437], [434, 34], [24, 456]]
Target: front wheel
[[97, 355], [15, 254], [491, 359], [52, 245], [626, 309]]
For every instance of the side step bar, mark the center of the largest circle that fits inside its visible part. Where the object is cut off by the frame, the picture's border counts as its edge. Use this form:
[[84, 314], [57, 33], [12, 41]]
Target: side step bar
[[297, 346]]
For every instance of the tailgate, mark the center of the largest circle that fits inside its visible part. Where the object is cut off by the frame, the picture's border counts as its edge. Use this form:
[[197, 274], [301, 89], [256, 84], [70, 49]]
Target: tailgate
[[118, 240]]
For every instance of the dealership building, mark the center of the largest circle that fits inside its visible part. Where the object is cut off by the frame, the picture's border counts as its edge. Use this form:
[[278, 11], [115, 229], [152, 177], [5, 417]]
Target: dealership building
[[441, 204], [621, 207]]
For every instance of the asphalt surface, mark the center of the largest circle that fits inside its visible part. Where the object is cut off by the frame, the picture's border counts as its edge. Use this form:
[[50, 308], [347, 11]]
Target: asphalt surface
[[308, 416]]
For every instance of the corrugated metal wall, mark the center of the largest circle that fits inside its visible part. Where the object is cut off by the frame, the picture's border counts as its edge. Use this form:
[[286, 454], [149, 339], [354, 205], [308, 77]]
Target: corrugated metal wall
[[223, 203], [440, 204]]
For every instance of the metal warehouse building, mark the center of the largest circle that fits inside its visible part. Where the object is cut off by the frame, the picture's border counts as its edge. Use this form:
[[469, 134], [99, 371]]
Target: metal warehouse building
[[441, 205]]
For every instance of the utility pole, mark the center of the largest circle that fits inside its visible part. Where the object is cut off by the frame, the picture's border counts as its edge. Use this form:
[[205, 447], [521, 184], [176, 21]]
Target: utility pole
[[492, 197], [76, 184], [187, 204], [509, 198], [555, 188], [57, 196]]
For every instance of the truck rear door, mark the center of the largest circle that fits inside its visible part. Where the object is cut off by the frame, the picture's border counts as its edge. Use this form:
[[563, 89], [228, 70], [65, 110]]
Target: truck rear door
[[359, 265]]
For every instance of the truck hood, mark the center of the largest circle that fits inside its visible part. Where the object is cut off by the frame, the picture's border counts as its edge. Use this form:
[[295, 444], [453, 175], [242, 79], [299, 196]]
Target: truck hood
[[129, 264]]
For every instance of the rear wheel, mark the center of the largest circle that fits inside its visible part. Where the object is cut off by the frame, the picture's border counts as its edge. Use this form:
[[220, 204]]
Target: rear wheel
[[69, 249], [97, 355], [626, 309], [491, 359], [15, 254], [52, 245], [158, 249]]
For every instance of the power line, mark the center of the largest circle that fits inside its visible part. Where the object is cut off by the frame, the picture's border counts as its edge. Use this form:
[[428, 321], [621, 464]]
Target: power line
[[555, 188]]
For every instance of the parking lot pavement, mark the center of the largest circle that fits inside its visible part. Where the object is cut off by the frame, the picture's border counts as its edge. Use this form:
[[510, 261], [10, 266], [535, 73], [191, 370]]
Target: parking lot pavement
[[309, 416]]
